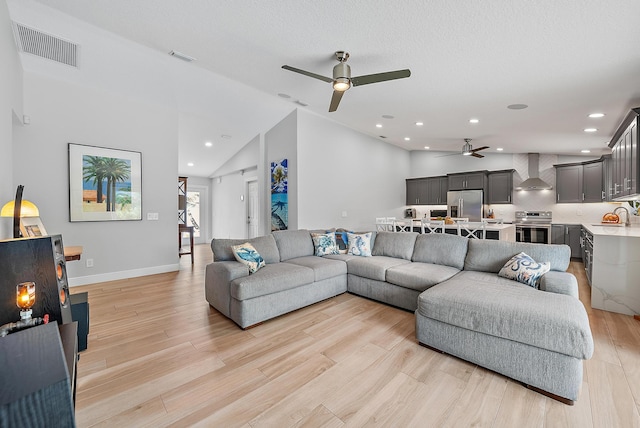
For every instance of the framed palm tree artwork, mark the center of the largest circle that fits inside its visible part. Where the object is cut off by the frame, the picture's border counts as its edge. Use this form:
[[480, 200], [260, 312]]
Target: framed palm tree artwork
[[104, 184]]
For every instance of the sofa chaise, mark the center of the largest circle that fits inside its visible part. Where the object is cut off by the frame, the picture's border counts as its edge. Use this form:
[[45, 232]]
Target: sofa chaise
[[538, 336]]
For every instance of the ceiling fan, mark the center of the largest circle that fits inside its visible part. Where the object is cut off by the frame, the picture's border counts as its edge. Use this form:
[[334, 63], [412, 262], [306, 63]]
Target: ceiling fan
[[468, 150], [342, 79]]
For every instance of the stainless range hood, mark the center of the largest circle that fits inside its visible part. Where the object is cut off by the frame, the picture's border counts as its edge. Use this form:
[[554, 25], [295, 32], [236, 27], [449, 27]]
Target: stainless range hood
[[534, 182]]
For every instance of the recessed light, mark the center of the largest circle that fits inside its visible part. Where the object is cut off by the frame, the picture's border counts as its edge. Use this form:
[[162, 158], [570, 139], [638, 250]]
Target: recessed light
[[499, 149], [426, 147], [517, 106], [419, 123], [590, 129], [596, 115], [585, 151], [208, 144], [473, 121], [190, 164], [407, 139], [387, 116], [378, 125]]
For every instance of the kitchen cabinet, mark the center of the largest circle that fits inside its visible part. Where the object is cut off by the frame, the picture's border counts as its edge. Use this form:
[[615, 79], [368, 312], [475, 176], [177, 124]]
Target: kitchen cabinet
[[500, 187], [582, 182], [417, 191], [437, 190], [586, 244], [467, 181], [568, 234], [568, 183], [624, 158], [593, 189]]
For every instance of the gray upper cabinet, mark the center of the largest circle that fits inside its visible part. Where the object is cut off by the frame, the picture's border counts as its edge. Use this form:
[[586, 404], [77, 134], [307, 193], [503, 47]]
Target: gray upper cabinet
[[624, 158], [592, 182], [500, 187], [437, 190], [417, 191], [568, 184], [469, 180]]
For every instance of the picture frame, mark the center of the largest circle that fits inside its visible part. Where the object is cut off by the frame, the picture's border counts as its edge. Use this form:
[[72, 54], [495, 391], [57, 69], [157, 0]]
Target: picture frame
[[105, 184], [32, 227]]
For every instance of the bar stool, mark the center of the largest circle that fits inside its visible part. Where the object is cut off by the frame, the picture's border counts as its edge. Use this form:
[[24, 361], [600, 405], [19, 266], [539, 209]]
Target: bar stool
[[471, 228], [431, 226]]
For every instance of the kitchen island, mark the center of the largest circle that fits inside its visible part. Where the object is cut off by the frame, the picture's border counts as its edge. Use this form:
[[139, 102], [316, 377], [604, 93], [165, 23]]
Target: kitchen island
[[501, 232], [613, 263]]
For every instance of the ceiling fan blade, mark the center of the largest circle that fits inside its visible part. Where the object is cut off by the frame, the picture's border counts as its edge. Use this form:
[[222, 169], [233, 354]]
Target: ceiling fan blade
[[477, 155], [380, 77], [308, 73], [448, 154], [335, 100], [480, 148]]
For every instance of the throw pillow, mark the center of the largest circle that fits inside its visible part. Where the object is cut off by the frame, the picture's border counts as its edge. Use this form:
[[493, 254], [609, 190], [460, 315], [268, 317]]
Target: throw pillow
[[248, 256], [359, 244], [524, 269], [324, 243], [342, 240]]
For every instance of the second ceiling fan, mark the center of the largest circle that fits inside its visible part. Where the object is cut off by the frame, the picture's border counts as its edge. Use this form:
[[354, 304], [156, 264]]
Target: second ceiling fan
[[342, 79]]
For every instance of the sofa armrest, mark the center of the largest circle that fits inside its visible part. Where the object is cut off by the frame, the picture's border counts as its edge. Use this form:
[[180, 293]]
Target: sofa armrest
[[218, 276], [559, 282]]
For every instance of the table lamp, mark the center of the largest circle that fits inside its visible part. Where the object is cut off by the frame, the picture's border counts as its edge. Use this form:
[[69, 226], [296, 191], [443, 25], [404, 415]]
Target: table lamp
[[19, 208]]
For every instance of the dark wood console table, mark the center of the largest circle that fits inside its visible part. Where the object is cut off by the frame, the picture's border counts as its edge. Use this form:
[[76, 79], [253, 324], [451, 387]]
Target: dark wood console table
[[185, 229]]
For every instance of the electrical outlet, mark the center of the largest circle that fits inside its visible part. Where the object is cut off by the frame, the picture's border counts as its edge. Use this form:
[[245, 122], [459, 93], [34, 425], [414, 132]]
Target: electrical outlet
[[344, 214], [153, 216], [89, 263], [578, 211]]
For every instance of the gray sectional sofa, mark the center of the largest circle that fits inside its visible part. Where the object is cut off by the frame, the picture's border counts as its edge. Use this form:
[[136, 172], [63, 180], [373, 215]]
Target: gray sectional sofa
[[537, 336]]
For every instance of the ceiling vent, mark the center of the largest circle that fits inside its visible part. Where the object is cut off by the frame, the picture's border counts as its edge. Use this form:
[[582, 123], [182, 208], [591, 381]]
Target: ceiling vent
[[35, 42]]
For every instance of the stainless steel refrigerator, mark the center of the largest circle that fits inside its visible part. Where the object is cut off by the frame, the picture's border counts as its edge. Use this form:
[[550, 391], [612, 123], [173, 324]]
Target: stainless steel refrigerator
[[465, 203]]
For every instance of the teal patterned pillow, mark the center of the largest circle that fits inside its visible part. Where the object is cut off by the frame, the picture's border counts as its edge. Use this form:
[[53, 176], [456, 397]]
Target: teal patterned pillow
[[524, 269], [248, 256], [359, 244], [324, 243]]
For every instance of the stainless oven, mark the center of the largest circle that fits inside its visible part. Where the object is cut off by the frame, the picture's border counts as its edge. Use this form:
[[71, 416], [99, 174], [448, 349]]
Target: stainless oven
[[533, 226]]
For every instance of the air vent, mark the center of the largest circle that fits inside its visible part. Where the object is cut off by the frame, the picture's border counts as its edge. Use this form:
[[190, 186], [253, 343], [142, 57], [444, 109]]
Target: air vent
[[35, 42]]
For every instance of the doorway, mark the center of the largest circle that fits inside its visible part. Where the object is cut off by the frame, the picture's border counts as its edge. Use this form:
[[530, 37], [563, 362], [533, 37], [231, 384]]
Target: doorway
[[253, 211], [196, 214]]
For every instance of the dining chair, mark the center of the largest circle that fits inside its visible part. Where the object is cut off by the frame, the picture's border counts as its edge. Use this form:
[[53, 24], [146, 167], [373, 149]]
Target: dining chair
[[431, 226], [471, 227]]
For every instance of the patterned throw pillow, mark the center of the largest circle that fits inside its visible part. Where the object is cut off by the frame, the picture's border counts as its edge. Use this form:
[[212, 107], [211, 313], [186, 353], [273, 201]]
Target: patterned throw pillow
[[248, 256], [324, 243], [359, 244], [524, 269]]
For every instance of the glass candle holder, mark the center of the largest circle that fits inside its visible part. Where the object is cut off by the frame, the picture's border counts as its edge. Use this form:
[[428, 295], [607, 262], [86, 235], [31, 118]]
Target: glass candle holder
[[25, 298]]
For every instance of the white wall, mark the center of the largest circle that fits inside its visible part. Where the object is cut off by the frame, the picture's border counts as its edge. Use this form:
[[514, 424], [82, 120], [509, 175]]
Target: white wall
[[343, 171], [10, 113], [228, 209], [426, 163], [281, 143], [63, 112]]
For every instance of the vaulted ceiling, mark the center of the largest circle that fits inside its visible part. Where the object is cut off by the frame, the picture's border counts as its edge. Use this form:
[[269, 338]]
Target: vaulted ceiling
[[469, 59]]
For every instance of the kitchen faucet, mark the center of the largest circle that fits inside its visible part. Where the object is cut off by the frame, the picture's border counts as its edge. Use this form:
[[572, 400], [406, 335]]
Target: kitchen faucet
[[627, 219]]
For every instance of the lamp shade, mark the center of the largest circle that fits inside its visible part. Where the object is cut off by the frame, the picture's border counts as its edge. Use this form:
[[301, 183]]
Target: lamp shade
[[27, 209]]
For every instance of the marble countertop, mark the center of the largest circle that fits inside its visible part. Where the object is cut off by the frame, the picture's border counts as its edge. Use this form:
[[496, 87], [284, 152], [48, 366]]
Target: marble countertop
[[608, 230]]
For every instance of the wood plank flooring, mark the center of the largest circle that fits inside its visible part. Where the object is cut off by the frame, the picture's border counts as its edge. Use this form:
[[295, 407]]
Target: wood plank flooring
[[159, 356]]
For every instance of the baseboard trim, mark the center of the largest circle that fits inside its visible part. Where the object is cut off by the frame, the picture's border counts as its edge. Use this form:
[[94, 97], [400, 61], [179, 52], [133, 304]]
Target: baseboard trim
[[126, 274]]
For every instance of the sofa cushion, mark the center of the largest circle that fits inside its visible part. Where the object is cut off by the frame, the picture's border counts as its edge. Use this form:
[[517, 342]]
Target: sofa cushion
[[359, 244], [271, 279], [373, 267], [323, 268], [441, 249], [419, 276], [524, 269], [395, 244], [293, 243], [248, 256], [324, 243], [265, 245], [489, 256], [486, 303]]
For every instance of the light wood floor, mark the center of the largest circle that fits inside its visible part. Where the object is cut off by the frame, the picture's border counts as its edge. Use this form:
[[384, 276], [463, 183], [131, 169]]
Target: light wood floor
[[160, 356]]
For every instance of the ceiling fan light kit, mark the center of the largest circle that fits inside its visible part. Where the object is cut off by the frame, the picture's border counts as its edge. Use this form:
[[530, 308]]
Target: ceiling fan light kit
[[342, 79]]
